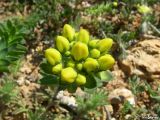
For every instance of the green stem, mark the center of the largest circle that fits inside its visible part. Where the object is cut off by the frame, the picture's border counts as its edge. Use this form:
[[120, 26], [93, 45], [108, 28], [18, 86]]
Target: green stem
[[154, 28]]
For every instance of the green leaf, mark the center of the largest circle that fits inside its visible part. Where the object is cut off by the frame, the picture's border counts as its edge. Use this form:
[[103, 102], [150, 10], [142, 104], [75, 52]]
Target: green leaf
[[72, 88], [20, 110], [98, 80], [3, 44], [9, 25], [127, 36], [105, 76], [12, 31], [4, 62], [16, 53], [4, 69], [2, 29], [157, 98], [21, 47], [89, 91], [11, 43], [13, 58], [3, 53], [140, 88], [49, 80], [91, 82], [7, 88], [5, 36], [46, 68], [126, 107], [15, 40]]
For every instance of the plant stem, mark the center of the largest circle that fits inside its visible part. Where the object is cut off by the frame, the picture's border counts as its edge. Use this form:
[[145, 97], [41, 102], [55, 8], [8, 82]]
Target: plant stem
[[57, 89], [154, 28], [56, 92]]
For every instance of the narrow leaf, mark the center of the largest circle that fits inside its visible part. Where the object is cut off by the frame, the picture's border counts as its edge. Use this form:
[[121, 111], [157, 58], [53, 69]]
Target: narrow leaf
[[49, 80]]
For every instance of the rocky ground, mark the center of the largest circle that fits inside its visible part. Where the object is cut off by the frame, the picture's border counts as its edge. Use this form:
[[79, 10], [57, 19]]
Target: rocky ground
[[142, 60]]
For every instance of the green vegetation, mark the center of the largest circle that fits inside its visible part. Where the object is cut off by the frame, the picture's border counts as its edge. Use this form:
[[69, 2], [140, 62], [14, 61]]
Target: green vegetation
[[12, 43], [57, 58]]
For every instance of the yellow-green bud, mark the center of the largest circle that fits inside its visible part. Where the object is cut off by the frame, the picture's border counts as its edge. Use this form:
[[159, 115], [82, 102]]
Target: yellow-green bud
[[67, 53], [104, 45], [62, 44], [79, 51], [83, 36], [106, 62], [79, 66], [53, 56], [68, 32], [93, 43], [90, 65], [57, 69], [95, 53], [70, 64], [81, 79], [143, 9], [68, 75], [115, 4], [72, 43]]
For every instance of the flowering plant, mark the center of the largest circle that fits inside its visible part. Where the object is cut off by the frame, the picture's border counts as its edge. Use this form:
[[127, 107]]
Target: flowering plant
[[77, 61]]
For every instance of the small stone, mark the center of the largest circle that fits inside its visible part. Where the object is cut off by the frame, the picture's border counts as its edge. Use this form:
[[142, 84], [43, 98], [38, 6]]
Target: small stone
[[29, 57], [27, 82], [21, 81], [68, 100], [109, 108], [140, 60], [60, 94], [32, 50], [113, 118], [120, 94], [127, 117], [85, 4], [80, 92]]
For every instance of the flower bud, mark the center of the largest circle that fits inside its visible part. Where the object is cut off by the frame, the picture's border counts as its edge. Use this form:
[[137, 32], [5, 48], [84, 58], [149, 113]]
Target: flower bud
[[79, 66], [143, 9], [62, 44], [81, 79], [67, 53], [68, 32], [93, 43], [68, 75], [106, 62], [115, 4], [95, 53], [72, 43], [79, 51], [83, 36], [90, 65], [104, 45], [53, 56], [57, 69], [70, 64]]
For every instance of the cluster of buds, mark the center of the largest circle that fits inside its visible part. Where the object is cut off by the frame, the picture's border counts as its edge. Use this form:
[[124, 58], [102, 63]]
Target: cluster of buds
[[75, 55], [143, 9]]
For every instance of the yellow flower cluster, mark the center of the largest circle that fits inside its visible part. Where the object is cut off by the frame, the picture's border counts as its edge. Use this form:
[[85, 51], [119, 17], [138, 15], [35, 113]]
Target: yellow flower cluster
[[143, 9], [76, 55]]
